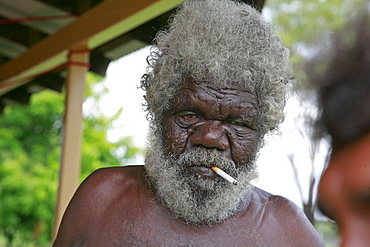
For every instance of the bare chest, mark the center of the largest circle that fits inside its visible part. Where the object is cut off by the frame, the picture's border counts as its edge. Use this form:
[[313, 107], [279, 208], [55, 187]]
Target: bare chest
[[164, 230]]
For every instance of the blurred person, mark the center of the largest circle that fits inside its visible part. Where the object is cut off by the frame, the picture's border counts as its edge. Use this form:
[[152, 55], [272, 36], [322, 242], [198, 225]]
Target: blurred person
[[215, 85], [344, 101]]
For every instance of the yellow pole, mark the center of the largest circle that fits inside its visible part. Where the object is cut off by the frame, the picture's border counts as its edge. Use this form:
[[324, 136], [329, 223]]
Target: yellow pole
[[69, 174]]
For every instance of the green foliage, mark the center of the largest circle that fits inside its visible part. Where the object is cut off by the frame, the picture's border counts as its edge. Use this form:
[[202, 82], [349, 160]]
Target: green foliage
[[329, 232], [30, 143], [301, 22]]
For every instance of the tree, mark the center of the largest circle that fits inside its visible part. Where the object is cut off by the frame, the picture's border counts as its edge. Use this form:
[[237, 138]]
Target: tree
[[29, 162], [301, 23]]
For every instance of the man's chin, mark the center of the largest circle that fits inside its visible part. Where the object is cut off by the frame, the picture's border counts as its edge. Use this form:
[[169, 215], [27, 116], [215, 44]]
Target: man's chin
[[197, 197], [198, 200]]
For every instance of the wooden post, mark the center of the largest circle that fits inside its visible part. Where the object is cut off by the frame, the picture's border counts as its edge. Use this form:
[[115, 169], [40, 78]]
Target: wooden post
[[69, 174]]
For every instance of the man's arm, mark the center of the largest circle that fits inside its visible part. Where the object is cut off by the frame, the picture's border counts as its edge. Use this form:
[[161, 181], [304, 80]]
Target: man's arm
[[81, 209]]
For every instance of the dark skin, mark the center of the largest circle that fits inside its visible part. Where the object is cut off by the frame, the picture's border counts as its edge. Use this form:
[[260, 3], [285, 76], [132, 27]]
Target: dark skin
[[344, 192], [221, 118], [117, 207]]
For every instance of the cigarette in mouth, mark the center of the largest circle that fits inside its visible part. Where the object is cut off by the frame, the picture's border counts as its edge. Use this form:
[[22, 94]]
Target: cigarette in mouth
[[224, 175]]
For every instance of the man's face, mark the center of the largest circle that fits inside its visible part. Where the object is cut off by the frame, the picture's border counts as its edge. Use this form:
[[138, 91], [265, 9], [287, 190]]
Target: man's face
[[211, 117], [206, 125]]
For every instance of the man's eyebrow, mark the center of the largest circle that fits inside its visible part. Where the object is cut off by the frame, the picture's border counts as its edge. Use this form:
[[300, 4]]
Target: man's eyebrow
[[246, 111], [183, 107], [247, 119], [249, 114]]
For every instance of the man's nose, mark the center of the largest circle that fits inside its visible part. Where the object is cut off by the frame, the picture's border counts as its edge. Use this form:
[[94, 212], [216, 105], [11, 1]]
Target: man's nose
[[211, 134]]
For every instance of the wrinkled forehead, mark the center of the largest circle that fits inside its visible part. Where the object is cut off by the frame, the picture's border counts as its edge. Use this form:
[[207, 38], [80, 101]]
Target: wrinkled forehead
[[216, 91], [213, 97]]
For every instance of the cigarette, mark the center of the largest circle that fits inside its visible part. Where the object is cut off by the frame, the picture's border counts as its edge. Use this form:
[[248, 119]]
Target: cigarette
[[224, 175]]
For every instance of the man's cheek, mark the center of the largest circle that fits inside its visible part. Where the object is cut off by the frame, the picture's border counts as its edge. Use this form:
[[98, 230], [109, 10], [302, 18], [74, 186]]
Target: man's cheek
[[176, 140], [179, 144], [242, 150]]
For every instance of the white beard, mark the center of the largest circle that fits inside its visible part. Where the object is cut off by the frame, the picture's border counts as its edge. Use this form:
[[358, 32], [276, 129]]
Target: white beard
[[195, 199]]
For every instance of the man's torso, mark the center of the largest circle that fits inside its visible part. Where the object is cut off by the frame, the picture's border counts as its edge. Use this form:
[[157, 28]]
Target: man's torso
[[122, 210]]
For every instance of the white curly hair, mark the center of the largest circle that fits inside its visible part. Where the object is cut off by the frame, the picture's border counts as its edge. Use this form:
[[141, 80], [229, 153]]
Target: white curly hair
[[223, 42]]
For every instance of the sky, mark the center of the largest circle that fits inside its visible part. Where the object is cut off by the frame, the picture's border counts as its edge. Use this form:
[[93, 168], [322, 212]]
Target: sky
[[275, 169]]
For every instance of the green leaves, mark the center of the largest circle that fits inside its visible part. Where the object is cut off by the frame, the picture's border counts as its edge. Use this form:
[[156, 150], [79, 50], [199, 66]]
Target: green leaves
[[30, 144], [304, 24]]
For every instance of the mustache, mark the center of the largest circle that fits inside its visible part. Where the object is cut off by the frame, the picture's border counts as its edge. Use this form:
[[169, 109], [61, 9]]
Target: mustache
[[205, 157]]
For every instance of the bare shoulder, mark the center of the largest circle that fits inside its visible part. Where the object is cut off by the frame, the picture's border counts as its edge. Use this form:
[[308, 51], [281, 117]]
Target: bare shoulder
[[99, 193], [280, 207], [115, 174], [106, 184], [106, 178], [291, 223]]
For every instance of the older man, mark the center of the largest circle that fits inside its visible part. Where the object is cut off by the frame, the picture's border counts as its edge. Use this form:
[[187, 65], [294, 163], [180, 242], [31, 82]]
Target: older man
[[215, 86]]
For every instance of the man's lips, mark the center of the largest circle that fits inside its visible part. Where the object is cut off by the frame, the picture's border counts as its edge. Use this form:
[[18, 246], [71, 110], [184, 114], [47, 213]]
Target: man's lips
[[203, 171]]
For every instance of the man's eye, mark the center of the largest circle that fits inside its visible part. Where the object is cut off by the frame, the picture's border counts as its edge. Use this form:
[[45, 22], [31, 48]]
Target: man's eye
[[186, 118], [189, 117], [238, 123]]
